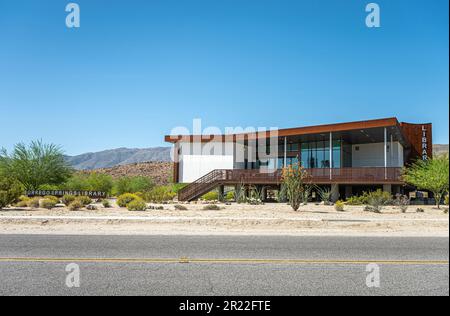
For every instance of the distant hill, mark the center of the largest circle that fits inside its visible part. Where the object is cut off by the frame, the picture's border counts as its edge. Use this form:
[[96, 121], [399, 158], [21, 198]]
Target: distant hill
[[160, 172], [440, 149], [118, 157]]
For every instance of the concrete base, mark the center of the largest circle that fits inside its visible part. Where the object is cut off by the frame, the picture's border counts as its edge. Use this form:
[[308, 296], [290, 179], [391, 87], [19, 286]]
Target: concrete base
[[335, 193]]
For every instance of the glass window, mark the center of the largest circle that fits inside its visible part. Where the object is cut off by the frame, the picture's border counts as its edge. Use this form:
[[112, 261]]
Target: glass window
[[317, 154]]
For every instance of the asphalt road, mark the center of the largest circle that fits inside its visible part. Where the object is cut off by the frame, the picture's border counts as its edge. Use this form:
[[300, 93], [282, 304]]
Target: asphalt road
[[181, 265]]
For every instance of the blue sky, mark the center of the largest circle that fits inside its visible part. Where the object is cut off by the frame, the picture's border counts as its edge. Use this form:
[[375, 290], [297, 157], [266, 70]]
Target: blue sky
[[137, 69]]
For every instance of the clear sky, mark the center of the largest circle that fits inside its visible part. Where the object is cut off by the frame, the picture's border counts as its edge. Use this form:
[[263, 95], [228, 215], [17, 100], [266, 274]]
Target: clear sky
[[134, 70]]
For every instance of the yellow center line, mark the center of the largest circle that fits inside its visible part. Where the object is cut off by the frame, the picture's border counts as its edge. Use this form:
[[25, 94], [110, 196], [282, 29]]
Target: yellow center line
[[227, 261]]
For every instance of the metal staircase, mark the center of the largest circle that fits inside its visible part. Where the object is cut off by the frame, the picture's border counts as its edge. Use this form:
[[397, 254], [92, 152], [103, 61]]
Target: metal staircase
[[202, 186]]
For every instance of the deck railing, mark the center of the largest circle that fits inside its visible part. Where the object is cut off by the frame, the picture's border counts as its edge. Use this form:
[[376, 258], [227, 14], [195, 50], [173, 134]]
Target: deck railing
[[370, 175]]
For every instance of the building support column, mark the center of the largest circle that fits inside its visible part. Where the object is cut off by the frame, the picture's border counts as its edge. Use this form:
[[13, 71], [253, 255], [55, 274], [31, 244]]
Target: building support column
[[331, 156], [387, 188], [285, 153], [221, 194], [176, 163], [348, 191], [334, 192]]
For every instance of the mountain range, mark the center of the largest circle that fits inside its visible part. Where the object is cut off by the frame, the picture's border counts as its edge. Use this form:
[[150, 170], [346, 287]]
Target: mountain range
[[126, 156], [118, 157]]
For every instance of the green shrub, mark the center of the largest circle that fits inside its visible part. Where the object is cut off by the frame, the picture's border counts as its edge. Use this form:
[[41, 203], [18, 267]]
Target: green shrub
[[133, 185], [325, 195], [159, 194], [176, 187], [125, 199], [446, 200], [356, 200], [106, 203], [211, 196], [179, 207], [53, 198], [10, 191], [34, 202], [230, 196], [67, 199], [90, 182], [211, 207], [137, 205], [85, 200], [23, 201], [76, 205], [48, 203], [339, 206]]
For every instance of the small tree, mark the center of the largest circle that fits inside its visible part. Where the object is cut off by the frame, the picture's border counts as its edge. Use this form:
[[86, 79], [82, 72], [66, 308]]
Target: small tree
[[294, 178], [36, 165], [10, 190], [431, 175]]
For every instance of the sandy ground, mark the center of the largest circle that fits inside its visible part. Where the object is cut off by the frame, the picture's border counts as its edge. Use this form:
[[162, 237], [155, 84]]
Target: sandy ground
[[235, 219]]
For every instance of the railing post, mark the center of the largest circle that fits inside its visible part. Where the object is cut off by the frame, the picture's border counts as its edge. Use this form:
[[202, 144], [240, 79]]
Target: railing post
[[331, 155], [385, 153]]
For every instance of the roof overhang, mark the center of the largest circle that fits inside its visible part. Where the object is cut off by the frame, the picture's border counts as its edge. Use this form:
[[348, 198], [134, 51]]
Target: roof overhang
[[392, 123]]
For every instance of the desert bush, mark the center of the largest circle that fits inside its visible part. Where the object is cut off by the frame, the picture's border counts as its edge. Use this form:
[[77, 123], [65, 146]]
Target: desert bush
[[85, 200], [211, 196], [137, 205], [325, 195], [133, 185], [402, 202], [239, 193], [295, 178], [179, 207], [159, 194], [106, 203], [376, 200], [53, 198], [211, 207], [339, 206], [67, 199], [356, 200], [446, 200], [23, 201], [125, 199], [48, 203], [34, 202], [36, 165], [230, 196], [76, 205], [10, 191]]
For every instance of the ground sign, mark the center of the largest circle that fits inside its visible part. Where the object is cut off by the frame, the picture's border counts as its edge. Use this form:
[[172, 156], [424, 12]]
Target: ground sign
[[60, 193]]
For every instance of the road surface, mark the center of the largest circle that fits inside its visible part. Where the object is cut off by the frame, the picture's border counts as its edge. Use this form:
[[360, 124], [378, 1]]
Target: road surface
[[257, 265]]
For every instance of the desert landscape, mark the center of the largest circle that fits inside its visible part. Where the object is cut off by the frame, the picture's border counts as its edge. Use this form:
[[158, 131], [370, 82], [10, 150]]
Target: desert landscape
[[230, 218]]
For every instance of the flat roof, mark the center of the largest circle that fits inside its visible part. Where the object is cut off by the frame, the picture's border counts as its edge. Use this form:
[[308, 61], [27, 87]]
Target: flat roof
[[298, 131]]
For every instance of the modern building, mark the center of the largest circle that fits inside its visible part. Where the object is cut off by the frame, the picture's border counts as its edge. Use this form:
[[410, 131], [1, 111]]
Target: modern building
[[347, 157]]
